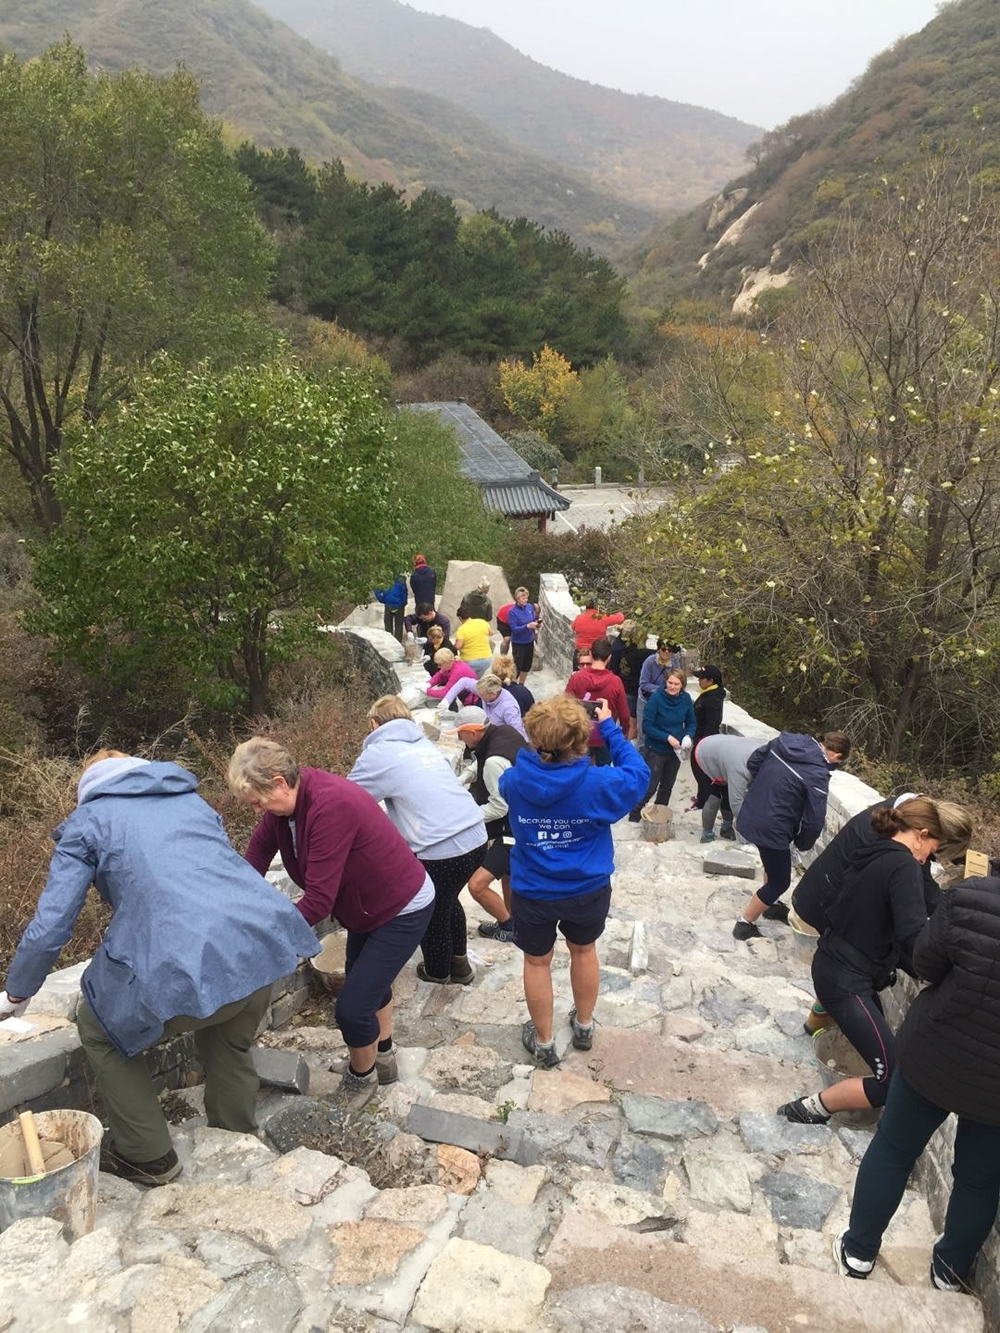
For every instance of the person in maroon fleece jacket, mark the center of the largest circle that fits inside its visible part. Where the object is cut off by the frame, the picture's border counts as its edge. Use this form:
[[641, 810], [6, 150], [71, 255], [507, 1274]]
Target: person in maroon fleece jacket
[[596, 680], [340, 847]]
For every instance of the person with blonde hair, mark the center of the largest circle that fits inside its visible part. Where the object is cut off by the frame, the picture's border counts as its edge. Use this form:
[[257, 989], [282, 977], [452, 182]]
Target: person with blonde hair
[[872, 923], [196, 940], [561, 812], [524, 619], [452, 678], [338, 845], [435, 641], [505, 668], [440, 822]]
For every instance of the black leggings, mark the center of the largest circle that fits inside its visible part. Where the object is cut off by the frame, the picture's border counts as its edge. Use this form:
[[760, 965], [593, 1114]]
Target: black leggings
[[663, 769], [703, 782], [446, 934], [851, 1000]]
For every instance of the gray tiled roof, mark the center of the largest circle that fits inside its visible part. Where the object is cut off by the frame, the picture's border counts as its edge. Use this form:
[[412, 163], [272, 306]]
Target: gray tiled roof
[[509, 484]]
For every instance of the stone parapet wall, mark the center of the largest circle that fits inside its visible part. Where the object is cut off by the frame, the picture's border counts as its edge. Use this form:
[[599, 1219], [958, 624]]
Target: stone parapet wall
[[555, 636]]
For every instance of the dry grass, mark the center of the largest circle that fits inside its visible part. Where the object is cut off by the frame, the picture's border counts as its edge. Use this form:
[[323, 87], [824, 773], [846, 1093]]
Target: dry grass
[[322, 720]]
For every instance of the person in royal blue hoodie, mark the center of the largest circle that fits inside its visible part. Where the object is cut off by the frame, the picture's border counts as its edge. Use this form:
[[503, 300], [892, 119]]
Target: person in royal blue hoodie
[[561, 809], [785, 803]]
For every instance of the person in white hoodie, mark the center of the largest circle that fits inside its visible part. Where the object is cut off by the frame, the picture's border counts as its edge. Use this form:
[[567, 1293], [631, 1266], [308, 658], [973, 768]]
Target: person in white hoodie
[[439, 820]]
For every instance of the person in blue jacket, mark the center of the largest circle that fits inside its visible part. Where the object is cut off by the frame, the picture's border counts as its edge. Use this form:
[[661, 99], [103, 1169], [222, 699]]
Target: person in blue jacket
[[785, 803], [668, 726], [393, 601], [561, 809], [195, 944]]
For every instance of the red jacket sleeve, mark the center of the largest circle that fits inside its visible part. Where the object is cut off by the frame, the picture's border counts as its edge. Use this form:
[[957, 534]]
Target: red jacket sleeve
[[324, 848]]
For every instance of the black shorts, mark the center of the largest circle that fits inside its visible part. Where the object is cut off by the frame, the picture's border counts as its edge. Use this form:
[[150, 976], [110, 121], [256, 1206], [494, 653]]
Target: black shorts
[[497, 859], [524, 655], [581, 919], [503, 627]]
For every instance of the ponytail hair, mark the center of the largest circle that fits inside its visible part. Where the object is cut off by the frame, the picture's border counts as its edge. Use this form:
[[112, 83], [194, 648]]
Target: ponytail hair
[[946, 822]]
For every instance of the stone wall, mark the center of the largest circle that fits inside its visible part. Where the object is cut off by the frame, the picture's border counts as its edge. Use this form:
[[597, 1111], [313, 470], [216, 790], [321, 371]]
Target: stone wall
[[555, 636]]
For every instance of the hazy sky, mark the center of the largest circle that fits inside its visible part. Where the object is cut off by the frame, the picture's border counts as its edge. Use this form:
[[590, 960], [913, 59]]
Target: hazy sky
[[759, 60]]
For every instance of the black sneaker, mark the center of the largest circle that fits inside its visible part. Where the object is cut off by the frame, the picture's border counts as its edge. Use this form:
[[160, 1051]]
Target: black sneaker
[[799, 1113], [501, 931], [777, 912], [544, 1055], [746, 930], [847, 1265], [161, 1171], [583, 1037], [728, 832]]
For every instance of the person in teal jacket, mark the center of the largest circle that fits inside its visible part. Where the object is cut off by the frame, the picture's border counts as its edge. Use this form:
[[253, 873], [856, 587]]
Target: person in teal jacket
[[196, 940], [561, 809], [668, 726]]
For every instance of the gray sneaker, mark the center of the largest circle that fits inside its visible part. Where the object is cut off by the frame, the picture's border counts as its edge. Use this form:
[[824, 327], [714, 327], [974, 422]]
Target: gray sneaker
[[544, 1055], [583, 1037], [385, 1066], [354, 1093]]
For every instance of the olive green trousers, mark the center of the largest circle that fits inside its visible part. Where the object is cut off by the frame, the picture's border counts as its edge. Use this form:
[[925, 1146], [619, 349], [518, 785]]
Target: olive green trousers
[[222, 1042]]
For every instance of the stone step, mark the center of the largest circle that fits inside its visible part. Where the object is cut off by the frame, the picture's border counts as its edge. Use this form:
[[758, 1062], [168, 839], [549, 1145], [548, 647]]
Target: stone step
[[734, 1291]]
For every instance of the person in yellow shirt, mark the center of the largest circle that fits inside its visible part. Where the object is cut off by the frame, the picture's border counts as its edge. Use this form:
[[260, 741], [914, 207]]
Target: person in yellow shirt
[[472, 642]]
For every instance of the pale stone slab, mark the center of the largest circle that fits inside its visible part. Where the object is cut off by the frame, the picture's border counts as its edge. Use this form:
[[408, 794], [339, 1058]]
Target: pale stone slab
[[473, 1070], [517, 1184], [606, 1308], [370, 1250], [471, 1288], [305, 1175], [721, 1182], [420, 1204], [557, 1092], [219, 1157], [263, 1217], [621, 1206]]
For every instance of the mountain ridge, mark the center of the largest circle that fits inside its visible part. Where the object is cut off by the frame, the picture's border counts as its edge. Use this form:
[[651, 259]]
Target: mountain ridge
[[664, 154]]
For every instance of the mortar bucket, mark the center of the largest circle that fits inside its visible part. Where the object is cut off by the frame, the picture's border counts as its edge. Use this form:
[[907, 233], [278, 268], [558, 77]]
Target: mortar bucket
[[69, 1193], [657, 823], [328, 964], [837, 1059]]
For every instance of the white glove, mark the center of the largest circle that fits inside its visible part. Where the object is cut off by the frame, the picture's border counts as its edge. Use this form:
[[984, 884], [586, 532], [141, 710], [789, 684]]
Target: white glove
[[9, 1006]]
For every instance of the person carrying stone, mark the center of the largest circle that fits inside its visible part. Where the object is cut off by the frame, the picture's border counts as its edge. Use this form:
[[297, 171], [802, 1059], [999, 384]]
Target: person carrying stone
[[561, 812], [338, 845], [494, 750], [196, 941]]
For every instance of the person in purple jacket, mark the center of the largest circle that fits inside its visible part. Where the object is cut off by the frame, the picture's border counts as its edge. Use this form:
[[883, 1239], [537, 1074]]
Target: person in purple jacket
[[338, 845]]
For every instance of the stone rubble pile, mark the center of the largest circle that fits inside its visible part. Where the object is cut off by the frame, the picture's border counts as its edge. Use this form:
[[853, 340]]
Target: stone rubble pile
[[644, 1185]]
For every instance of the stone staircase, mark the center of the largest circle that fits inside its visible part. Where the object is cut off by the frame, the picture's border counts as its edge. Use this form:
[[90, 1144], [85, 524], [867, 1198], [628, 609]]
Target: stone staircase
[[645, 1185]]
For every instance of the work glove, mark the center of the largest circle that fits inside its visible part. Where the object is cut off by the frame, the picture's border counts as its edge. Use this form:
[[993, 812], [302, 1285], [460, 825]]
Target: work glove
[[10, 1007]]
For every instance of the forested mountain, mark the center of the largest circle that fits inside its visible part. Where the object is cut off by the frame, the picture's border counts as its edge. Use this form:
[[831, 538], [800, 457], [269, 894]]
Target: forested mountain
[[666, 155], [937, 88], [267, 82]]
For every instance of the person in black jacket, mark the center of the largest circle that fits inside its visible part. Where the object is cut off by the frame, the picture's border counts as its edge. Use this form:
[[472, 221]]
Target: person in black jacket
[[707, 722], [949, 1062], [785, 803], [872, 925], [824, 878]]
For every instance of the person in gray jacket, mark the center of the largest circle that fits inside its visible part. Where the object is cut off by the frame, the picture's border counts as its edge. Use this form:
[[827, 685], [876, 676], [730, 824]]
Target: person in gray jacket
[[196, 941], [440, 822], [724, 760]]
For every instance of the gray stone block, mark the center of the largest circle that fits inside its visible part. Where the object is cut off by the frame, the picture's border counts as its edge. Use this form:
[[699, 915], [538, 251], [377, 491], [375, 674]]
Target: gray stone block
[[638, 1164], [773, 1134], [728, 861], [606, 1308], [512, 1228], [281, 1069], [799, 1201], [283, 1010], [462, 1131], [60, 992], [553, 1138], [31, 1068], [659, 1118]]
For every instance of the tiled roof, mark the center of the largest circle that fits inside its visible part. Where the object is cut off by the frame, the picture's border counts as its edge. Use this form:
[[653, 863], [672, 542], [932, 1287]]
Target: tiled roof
[[509, 484]]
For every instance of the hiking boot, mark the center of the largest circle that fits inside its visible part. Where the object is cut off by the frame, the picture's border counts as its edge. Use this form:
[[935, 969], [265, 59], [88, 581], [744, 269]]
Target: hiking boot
[[462, 971], [728, 832], [354, 1091], [817, 1022], [799, 1114], [385, 1066], [583, 1037], [501, 931], [942, 1276], [776, 912], [847, 1265], [746, 930], [160, 1171], [544, 1055], [424, 975], [707, 836]]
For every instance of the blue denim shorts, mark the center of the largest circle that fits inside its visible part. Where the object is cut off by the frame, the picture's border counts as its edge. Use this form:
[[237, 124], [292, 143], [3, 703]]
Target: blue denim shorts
[[581, 919]]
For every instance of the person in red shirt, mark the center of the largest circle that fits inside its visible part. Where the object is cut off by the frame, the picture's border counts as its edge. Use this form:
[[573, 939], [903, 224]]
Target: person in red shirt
[[504, 628], [589, 626], [596, 680]]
